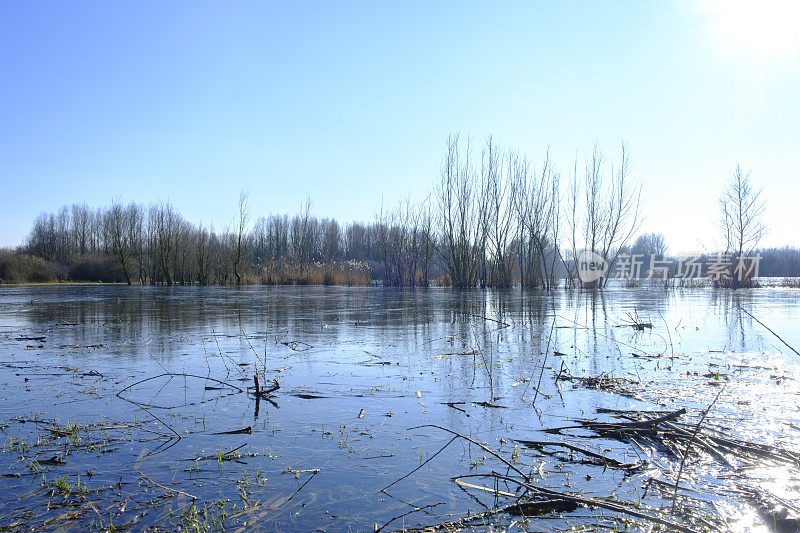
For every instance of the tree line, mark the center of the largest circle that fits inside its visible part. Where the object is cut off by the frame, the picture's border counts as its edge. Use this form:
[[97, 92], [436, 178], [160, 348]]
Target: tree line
[[493, 218]]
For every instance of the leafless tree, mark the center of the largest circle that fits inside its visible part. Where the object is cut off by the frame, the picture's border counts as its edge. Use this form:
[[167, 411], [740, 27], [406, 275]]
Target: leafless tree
[[536, 202], [610, 211], [460, 216], [116, 223], [356, 241], [650, 244], [428, 243], [164, 221], [405, 244], [303, 235], [244, 217], [742, 210], [202, 253], [498, 214], [134, 219], [331, 240], [80, 228]]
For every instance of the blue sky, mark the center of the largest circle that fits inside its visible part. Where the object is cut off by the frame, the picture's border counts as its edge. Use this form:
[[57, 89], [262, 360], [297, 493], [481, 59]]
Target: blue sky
[[193, 102]]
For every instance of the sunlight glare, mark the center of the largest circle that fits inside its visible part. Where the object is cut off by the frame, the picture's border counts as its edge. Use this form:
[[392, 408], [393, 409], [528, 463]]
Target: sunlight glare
[[764, 31]]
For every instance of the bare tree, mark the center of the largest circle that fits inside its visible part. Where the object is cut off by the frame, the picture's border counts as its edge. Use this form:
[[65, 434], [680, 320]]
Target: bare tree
[[202, 247], [303, 235], [164, 221], [610, 210], [650, 244], [331, 240], [244, 217], [404, 244], [116, 223], [81, 228], [536, 203], [742, 210], [461, 217], [134, 216], [184, 252], [498, 215], [428, 244]]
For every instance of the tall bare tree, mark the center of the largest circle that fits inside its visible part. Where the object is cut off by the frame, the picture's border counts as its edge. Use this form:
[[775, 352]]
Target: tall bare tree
[[610, 210], [498, 214], [244, 217], [536, 202], [165, 222], [116, 223], [742, 210], [460, 215], [134, 216]]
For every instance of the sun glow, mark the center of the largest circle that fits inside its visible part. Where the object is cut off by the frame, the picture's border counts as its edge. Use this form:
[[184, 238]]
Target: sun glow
[[763, 31]]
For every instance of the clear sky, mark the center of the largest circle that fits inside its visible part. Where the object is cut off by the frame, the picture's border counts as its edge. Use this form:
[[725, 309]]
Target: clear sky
[[352, 102]]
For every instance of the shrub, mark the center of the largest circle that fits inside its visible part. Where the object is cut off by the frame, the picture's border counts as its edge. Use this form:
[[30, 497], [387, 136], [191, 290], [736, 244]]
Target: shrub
[[21, 268], [97, 268]]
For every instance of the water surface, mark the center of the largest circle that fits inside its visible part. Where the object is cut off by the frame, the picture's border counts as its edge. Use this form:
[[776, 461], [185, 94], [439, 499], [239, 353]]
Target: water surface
[[357, 368]]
